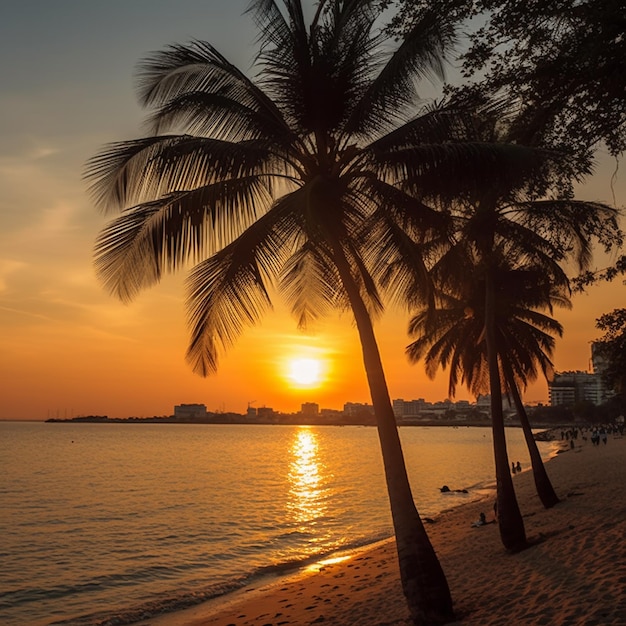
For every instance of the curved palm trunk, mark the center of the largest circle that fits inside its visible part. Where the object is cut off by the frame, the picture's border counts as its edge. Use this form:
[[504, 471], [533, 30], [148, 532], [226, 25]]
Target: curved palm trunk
[[545, 491], [510, 522], [423, 581]]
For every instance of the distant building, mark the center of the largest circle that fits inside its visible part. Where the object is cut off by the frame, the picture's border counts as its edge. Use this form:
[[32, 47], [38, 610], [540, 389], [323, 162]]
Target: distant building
[[409, 408], [357, 408], [483, 401], [310, 408], [265, 412], [190, 411], [567, 388], [598, 361]]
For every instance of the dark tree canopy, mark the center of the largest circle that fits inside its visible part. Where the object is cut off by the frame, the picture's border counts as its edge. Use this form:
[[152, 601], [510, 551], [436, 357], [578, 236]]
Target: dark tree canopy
[[608, 274], [612, 346], [565, 61], [560, 62]]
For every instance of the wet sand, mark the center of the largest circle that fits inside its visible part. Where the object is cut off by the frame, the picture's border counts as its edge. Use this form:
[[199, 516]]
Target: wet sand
[[573, 572]]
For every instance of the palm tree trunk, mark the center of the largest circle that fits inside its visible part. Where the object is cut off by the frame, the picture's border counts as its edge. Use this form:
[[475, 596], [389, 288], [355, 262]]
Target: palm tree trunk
[[545, 491], [510, 522], [423, 581]]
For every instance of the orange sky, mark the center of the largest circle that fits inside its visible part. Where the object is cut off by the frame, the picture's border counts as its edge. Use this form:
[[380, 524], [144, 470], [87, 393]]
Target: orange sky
[[67, 348]]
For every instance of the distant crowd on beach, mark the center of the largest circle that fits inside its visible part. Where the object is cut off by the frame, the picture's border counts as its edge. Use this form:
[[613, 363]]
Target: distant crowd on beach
[[595, 434]]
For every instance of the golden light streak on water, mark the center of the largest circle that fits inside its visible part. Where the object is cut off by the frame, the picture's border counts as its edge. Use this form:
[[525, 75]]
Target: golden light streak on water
[[306, 502], [319, 565]]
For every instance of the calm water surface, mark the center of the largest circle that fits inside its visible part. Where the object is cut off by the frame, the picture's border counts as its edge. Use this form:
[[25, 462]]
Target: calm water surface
[[111, 523]]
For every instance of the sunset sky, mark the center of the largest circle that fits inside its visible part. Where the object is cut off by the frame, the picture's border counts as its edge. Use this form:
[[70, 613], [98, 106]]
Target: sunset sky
[[67, 347]]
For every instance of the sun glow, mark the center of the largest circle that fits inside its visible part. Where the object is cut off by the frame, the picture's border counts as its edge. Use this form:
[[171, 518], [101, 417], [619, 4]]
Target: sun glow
[[305, 372]]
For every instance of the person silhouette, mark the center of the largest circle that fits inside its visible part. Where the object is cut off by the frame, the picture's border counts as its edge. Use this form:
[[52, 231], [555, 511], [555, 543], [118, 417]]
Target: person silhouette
[[481, 521]]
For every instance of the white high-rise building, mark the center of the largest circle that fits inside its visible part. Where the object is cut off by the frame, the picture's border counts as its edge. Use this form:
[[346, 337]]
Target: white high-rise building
[[567, 388]]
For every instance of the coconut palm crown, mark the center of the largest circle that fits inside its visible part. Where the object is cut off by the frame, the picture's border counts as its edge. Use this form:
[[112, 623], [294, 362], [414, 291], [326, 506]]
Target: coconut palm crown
[[451, 335]]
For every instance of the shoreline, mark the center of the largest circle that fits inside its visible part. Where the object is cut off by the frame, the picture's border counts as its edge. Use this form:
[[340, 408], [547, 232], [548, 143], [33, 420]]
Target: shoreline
[[269, 582], [573, 571], [287, 420]]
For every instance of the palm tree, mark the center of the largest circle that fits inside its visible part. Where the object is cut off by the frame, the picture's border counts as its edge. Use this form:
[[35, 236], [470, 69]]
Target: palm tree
[[550, 232], [451, 335]]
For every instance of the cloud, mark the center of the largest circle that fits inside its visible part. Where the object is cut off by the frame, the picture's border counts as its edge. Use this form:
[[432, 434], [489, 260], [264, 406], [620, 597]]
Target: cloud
[[8, 267]]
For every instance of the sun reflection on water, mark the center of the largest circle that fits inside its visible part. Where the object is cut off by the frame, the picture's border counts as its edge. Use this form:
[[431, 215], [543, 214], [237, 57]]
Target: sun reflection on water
[[320, 565], [306, 498]]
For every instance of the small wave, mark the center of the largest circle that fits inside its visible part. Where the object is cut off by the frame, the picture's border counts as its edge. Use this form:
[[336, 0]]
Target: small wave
[[178, 602], [25, 596], [155, 608]]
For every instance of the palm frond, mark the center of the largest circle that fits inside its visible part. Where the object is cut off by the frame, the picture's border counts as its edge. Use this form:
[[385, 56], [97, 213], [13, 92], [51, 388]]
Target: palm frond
[[134, 250], [229, 290], [182, 74], [274, 29], [143, 170], [392, 94], [573, 225], [309, 284]]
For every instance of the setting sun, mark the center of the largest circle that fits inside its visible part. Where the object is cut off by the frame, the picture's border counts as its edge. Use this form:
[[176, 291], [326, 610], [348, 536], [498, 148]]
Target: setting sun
[[305, 371]]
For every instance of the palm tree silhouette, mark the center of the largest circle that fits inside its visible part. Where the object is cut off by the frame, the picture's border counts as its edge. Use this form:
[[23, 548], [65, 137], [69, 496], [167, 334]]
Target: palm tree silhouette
[[451, 334], [515, 217]]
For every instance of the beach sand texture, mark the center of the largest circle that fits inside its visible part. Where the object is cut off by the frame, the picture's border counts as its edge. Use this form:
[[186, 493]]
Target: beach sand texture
[[573, 573]]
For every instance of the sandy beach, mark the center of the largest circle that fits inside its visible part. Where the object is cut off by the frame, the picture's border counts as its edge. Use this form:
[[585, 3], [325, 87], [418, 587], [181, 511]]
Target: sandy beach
[[573, 572]]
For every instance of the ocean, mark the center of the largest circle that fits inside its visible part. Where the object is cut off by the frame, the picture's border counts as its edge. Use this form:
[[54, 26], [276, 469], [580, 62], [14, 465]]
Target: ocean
[[109, 524]]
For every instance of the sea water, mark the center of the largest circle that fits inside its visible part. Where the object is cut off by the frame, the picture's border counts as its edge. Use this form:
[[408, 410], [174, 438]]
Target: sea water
[[112, 523]]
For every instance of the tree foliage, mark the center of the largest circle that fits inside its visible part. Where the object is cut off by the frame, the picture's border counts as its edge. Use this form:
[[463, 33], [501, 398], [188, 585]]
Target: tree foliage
[[612, 347], [607, 274], [501, 268], [561, 63]]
